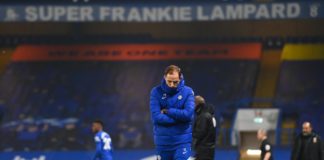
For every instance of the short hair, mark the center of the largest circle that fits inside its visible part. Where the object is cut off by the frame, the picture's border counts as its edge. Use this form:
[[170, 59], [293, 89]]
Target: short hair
[[172, 68], [99, 122], [199, 100], [263, 131]]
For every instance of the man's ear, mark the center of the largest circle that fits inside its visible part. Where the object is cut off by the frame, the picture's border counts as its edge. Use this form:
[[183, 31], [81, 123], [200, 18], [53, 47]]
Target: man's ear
[[180, 76]]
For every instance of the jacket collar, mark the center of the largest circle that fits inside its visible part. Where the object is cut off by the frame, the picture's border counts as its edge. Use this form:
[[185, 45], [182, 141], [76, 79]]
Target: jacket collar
[[172, 91], [204, 108], [199, 108]]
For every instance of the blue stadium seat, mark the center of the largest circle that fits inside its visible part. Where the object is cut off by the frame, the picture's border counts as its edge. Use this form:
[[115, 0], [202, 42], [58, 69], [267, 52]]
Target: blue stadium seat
[[300, 92], [116, 92]]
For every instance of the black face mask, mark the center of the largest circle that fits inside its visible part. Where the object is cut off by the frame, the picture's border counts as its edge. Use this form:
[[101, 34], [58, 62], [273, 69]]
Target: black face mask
[[172, 90]]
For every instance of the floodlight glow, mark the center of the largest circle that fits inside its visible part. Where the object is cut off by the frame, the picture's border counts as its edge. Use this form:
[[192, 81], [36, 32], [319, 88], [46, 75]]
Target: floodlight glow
[[258, 120], [253, 152]]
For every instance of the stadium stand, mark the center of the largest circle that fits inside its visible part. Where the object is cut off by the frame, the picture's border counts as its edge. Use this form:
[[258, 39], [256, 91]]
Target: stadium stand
[[54, 102], [300, 87]]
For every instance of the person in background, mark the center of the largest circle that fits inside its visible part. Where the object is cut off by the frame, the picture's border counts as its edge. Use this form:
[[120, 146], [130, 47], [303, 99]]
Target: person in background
[[265, 147], [103, 142], [204, 130], [308, 145]]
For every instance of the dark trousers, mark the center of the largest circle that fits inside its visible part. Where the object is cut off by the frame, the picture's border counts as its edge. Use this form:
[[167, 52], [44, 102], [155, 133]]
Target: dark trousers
[[205, 154]]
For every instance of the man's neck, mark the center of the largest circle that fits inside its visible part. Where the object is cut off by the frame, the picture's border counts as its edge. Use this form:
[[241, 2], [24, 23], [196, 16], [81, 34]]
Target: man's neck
[[98, 131], [263, 138]]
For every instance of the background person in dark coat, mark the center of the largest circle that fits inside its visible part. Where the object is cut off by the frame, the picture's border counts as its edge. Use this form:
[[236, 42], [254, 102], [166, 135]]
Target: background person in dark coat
[[308, 145], [265, 147], [204, 130]]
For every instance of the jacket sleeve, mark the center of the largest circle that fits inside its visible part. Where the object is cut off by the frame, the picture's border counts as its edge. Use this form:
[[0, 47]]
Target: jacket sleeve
[[157, 116], [321, 148], [98, 149], [294, 152], [185, 114], [201, 129]]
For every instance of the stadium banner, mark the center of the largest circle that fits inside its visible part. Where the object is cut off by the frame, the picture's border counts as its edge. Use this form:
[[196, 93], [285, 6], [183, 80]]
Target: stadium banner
[[161, 12], [118, 52], [302, 52]]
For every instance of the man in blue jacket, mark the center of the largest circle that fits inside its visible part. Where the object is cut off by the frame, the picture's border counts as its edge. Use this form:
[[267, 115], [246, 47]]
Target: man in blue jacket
[[172, 106]]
